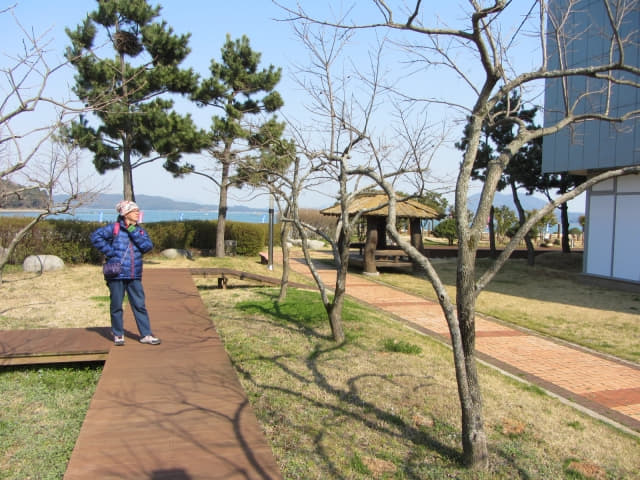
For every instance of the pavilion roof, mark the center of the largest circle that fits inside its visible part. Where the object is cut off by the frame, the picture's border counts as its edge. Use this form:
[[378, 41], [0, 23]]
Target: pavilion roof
[[405, 208]]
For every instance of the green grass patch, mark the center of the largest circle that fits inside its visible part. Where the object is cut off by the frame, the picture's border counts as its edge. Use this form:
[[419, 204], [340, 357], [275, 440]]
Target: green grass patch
[[400, 346], [534, 389], [101, 299], [301, 307], [42, 412]]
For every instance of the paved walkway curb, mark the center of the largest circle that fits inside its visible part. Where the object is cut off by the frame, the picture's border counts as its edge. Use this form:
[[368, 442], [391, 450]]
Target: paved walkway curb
[[601, 385]]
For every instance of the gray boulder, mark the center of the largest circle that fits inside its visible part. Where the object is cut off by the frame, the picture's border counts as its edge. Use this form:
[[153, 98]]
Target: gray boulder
[[42, 263], [172, 253], [312, 244]]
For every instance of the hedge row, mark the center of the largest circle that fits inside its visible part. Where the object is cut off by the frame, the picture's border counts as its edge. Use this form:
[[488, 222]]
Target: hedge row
[[69, 239]]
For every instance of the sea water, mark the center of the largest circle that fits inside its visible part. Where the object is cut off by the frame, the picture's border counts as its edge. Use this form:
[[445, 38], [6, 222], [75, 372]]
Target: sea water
[[149, 216]]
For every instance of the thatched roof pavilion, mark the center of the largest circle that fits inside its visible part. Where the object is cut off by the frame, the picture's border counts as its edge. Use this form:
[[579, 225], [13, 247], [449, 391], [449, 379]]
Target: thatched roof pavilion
[[407, 208], [376, 222]]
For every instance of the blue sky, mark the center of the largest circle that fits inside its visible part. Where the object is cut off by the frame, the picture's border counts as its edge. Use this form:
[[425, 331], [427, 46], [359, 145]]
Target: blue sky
[[209, 22]]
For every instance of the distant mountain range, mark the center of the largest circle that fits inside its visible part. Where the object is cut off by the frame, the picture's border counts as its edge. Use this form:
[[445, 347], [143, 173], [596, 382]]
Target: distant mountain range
[[529, 202], [153, 202]]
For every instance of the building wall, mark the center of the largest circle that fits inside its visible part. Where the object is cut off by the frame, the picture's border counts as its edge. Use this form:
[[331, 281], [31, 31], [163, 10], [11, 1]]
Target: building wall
[[612, 240], [612, 237], [592, 145]]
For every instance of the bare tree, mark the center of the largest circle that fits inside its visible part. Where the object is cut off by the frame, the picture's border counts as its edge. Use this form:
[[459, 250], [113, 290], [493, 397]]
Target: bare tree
[[334, 153], [342, 148], [24, 138], [482, 51]]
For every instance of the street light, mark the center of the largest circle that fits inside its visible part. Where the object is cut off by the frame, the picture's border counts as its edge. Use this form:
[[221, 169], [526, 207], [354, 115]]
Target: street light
[[270, 266]]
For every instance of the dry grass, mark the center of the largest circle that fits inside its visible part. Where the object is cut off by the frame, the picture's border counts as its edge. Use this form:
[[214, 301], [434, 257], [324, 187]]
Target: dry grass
[[73, 297], [77, 296]]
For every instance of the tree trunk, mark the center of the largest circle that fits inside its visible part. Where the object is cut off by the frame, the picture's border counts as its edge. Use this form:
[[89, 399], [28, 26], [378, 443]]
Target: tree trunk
[[564, 220], [127, 177], [127, 170], [127, 174], [370, 246], [492, 234], [335, 311], [531, 254], [222, 210], [284, 236], [474, 440], [335, 318]]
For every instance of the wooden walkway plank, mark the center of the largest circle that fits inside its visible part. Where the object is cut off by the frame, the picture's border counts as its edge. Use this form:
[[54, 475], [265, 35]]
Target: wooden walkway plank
[[175, 410], [228, 272], [54, 345]]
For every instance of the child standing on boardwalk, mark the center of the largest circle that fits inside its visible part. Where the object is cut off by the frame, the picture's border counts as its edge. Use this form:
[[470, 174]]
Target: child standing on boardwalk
[[124, 243]]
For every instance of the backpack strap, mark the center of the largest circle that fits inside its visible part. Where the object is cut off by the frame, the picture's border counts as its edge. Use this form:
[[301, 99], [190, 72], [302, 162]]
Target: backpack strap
[[116, 230]]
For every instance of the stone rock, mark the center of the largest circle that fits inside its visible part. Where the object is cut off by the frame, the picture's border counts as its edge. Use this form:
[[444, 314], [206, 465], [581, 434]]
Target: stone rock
[[42, 263], [312, 244], [172, 253]]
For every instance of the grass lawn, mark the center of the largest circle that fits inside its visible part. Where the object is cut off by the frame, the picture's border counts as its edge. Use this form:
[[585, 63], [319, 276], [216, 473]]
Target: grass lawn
[[384, 404], [42, 411], [381, 405]]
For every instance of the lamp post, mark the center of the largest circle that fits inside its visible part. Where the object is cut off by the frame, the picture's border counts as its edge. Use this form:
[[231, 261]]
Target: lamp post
[[270, 266]]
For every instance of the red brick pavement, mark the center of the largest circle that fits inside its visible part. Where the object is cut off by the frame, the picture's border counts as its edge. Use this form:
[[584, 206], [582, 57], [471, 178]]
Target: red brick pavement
[[602, 384]]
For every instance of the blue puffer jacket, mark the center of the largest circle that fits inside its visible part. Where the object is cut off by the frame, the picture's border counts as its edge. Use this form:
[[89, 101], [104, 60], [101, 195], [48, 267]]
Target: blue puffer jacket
[[135, 244]]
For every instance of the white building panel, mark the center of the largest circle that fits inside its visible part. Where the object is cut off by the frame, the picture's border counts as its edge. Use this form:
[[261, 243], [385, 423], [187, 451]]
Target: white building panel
[[626, 258], [599, 242]]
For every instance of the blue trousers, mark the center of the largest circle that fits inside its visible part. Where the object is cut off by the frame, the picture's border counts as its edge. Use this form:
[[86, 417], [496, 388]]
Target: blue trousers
[[135, 292]]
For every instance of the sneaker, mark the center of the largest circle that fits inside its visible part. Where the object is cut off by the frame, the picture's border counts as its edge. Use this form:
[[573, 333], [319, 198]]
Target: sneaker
[[150, 339], [118, 341]]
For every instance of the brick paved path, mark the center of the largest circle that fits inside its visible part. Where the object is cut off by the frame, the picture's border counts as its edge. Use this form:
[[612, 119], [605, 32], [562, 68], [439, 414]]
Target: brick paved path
[[602, 384]]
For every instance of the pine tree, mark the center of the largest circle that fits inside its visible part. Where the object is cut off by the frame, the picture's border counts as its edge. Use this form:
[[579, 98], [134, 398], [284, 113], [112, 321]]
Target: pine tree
[[128, 92], [232, 90]]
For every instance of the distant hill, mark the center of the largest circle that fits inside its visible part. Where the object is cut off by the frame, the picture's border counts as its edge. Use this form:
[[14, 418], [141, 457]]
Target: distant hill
[[29, 198], [528, 203], [153, 202]]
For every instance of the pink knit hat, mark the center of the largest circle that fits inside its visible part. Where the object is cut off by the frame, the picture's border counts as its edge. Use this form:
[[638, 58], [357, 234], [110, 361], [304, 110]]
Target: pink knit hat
[[125, 206]]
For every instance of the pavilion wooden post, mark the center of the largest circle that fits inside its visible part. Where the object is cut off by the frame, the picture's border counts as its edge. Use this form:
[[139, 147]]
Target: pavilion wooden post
[[370, 246], [415, 232]]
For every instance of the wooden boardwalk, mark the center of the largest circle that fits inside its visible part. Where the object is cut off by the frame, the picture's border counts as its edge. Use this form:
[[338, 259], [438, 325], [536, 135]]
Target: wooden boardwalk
[[175, 410], [54, 345]]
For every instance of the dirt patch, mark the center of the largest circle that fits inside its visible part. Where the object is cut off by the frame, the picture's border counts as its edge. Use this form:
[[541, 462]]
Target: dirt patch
[[379, 467], [588, 470]]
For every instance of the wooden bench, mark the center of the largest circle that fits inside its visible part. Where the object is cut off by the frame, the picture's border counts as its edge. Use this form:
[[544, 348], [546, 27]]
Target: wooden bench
[[394, 255]]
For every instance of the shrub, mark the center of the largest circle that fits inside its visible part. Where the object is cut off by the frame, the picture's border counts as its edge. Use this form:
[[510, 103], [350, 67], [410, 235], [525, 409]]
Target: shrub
[[70, 239], [250, 237], [446, 229], [169, 235]]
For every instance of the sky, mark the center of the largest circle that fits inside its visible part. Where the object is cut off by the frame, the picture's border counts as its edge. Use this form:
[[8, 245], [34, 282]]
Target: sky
[[209, 21]]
